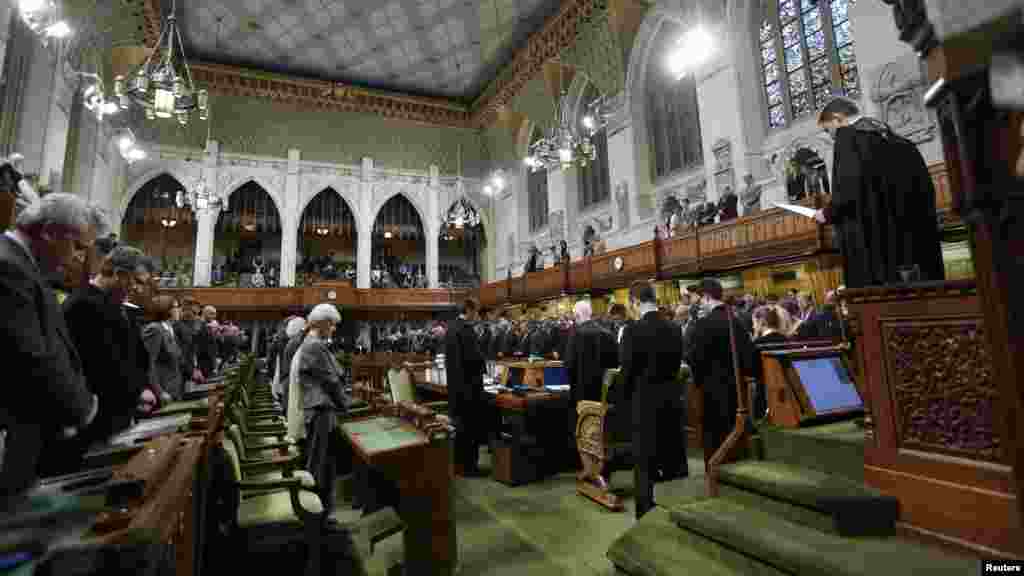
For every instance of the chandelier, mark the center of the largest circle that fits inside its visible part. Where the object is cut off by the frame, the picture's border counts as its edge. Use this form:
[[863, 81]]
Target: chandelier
[[200, 197], [163, 84], [461, 215], [43, 18], [568, 143]]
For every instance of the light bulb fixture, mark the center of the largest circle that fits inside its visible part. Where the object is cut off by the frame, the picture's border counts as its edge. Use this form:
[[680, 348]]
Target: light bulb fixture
[[387, 234], [168, 222], [488, 190], [322, 231], [163, 85], [58, 30]]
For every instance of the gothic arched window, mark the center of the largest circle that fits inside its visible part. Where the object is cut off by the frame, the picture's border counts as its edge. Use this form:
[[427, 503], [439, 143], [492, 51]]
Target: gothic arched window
[[807, 56], [593, 179], [673, 121], [537, 192]]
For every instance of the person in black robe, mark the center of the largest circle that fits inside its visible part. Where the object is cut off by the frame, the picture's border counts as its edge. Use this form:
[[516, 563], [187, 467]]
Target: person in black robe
[[651, 354], [711, 363], [589, 352], [883, 203], [464, 367], [114, 361]]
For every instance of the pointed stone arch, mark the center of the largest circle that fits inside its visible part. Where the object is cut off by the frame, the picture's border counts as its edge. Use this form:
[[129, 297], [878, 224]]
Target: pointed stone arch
[[428, 229], [272, 191], [347, 188], [140, 182]]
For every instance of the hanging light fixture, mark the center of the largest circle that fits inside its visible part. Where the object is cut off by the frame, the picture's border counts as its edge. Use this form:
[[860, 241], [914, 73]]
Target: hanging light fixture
[[43, 18], [567, 142], [129, 147], [163, 84], [200, 196]]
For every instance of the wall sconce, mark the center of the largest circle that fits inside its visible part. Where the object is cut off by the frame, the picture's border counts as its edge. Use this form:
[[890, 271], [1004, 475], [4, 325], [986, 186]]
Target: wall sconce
[[168, 222]]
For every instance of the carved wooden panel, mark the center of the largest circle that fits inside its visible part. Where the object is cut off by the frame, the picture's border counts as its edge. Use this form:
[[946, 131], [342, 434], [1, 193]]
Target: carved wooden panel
[[940, 178], [941, 381]]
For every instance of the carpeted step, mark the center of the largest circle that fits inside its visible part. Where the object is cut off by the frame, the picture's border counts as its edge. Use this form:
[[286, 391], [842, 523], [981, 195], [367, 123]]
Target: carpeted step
[[855, 509], [655, 546], [836, 448], [802, 550]]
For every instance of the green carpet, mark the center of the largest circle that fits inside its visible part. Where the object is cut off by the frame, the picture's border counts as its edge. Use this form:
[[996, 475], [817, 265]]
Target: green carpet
[[832, 448], [805, 551], [655, 546]]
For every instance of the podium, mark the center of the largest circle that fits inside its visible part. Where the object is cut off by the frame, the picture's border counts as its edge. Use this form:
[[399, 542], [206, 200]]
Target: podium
[[809, 385]]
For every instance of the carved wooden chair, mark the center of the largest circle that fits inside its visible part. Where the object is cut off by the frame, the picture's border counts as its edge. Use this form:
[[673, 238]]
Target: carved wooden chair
[[603, 438]]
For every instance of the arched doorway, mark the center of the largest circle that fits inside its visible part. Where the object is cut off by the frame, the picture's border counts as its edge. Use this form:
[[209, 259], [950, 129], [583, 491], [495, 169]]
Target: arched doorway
[[461, 246], [155, 224], [327, 240], [398, 252], [247, 240]]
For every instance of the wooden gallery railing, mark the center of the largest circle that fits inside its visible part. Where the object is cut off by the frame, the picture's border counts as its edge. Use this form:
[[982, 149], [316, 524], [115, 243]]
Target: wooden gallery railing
[[771, 237], [297, 299]]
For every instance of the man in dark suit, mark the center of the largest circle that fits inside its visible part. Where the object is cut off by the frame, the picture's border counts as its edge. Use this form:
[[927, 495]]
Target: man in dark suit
[[51, 399], [710, 361], [114, 361], [651, 353], [464, 367], [823, 324]]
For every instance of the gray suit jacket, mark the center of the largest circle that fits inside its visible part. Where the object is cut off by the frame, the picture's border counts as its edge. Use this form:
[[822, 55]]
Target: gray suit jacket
[[164, 360], [320, 377], [43, 368]]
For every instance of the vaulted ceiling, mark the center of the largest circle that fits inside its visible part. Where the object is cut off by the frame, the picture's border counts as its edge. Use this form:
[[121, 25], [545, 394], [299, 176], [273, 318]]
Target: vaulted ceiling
[[445, 48]]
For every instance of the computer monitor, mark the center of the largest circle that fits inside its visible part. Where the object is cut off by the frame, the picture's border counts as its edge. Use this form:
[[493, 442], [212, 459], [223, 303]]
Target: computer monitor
[[515, 377], [828, 385]]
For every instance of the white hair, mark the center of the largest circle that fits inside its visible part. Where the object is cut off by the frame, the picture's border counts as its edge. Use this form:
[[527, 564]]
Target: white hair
[[294, 326], [324, 312], [65, 210], [99, 221], [583, 311]]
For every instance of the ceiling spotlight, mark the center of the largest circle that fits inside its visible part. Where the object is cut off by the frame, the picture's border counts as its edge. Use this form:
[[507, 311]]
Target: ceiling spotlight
[[488, 190], [693, 50]]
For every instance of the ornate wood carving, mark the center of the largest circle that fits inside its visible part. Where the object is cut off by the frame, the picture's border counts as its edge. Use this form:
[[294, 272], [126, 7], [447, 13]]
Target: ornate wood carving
[[319, 94], [557, 34], [942, 387]]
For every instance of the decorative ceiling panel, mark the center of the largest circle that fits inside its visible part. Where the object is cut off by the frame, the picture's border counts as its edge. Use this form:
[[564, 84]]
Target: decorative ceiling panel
[[449, 48]]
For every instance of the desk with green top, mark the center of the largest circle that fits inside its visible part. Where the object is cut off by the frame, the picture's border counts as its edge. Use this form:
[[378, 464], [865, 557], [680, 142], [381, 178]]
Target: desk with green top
[[419, 462]]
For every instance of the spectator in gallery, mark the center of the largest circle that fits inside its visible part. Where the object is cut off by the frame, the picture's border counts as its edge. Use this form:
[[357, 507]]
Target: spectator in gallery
[[727, 205]]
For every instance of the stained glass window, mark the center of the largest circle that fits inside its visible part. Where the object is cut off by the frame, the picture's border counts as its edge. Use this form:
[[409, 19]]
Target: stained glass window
[[814, 40]]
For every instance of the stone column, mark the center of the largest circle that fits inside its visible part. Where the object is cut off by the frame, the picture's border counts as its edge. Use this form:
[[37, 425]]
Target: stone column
[[364, 239], [290, 219], [430, 227], [559, 184], [207, 220]]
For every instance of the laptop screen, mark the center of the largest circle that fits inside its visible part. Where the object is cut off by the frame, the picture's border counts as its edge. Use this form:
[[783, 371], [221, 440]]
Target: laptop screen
[[828, 384]]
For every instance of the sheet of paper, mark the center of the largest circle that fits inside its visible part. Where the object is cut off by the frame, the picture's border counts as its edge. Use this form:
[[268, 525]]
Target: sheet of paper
[[801, 210]]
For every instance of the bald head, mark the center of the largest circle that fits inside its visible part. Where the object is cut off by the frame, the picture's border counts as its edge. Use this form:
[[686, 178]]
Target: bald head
[[583, 311]]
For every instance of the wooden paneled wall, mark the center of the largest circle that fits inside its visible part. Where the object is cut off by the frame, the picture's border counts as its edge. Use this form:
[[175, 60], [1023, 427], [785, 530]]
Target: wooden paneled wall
[[939, 434]]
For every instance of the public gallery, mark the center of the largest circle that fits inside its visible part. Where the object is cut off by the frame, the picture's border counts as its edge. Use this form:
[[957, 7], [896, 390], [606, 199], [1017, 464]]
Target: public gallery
[[486, 287]]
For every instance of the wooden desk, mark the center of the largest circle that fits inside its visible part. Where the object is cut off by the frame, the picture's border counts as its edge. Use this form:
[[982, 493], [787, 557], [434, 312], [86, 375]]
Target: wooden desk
[[531, 437], [422, 469]]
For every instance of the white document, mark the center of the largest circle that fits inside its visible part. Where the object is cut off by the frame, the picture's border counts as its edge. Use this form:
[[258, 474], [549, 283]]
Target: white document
[[801, 210]]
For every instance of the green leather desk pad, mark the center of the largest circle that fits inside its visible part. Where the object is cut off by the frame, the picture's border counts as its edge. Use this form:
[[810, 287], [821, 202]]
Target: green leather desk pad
[[382, 434]]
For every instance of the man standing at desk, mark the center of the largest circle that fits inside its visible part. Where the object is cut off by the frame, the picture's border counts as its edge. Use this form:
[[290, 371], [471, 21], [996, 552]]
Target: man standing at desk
[[651, 353], [51, 399], [464, 366], [884, 201]]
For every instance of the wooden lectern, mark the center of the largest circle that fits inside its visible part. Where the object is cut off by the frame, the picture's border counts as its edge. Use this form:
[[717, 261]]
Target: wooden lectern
[[805, 385]]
